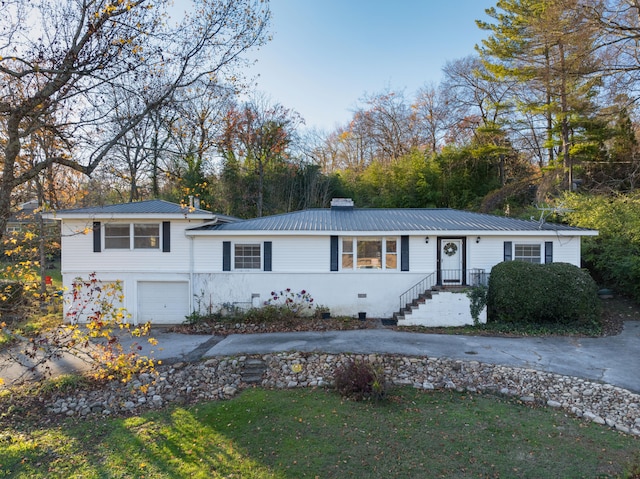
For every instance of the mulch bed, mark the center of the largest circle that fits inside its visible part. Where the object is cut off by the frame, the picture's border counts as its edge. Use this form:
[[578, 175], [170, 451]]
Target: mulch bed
[[224, 328], [615, 312]]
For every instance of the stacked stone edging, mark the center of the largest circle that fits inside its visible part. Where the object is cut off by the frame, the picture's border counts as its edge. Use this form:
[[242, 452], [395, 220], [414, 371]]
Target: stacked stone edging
[[221, 378]]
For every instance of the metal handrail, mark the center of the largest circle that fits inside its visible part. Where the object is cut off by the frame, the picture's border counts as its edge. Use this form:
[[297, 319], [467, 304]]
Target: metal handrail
[[474, 277], [416, 290]]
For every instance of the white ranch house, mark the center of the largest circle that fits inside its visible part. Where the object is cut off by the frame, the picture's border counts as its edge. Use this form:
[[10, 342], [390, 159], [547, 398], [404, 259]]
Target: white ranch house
[[173, 260]]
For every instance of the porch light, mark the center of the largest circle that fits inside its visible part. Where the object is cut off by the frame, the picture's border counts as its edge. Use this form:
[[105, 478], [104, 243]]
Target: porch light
[[426, 240], [478, 239]]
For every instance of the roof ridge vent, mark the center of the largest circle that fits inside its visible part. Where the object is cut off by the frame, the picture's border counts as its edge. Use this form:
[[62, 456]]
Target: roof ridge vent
[[341, 204]]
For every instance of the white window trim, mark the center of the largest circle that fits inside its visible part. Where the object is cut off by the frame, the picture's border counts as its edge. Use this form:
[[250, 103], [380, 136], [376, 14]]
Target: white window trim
[[132, 236], [244, 243], [383, 260], [529, 243]]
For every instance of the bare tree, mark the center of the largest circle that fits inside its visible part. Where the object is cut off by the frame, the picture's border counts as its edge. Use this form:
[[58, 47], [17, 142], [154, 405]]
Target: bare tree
[[388, 122], [61, 59], [430, 107], [258, 133]]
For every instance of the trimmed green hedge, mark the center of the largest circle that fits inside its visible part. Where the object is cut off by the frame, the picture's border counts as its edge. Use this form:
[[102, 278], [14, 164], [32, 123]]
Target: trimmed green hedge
[[542, 293]]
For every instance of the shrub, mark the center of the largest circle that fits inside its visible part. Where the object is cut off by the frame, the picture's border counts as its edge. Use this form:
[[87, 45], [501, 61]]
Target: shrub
[[534, 293], [300, 304], [360, 380], [269, 314]]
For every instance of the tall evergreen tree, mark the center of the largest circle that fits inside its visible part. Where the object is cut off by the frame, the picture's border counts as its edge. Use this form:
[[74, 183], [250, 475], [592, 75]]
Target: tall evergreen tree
[[547, 45]]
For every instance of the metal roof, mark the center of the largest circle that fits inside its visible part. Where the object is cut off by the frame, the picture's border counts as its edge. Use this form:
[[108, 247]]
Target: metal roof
[[382, 219], [150, 207]]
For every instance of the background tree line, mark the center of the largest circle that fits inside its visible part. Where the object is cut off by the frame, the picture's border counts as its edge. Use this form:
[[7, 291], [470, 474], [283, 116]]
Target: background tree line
[[547, 104]]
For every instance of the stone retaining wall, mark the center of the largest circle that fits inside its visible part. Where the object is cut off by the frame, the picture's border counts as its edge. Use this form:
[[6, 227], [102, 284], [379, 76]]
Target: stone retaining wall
[[222, 378]]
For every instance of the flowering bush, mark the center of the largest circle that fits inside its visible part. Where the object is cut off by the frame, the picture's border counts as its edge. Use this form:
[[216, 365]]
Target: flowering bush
[[298, 303], [96, 305]]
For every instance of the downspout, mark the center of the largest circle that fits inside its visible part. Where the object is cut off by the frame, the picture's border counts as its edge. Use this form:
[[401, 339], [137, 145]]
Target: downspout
[[191, 266]]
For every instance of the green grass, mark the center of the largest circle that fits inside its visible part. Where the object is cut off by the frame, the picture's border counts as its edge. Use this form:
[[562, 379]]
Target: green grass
[[314, 433]]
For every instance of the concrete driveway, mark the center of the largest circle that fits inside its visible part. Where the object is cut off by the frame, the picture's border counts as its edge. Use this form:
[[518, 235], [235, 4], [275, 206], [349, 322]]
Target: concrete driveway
[[614, 359]]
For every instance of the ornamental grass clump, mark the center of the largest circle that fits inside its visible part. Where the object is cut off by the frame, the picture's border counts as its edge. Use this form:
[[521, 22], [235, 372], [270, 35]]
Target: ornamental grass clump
[[360, 380]]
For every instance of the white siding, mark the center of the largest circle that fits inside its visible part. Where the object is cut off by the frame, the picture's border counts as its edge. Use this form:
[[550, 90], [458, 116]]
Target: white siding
[[490, 250], [298, 262], [340, 291], [303, 253], [289, 253], [423, 255], [78, 255]]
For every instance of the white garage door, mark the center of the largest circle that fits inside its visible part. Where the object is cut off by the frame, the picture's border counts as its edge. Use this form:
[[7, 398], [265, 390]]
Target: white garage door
[[163, 302]]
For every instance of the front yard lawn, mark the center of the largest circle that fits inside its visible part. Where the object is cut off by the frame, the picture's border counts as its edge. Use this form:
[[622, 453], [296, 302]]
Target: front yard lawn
[[316, 433]]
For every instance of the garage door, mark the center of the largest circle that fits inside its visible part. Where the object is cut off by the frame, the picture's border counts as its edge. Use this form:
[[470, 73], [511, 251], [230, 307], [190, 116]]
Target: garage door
[[165, 302]]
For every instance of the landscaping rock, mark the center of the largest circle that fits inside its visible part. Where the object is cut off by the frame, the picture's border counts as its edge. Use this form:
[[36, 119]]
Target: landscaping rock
[[223, 378]]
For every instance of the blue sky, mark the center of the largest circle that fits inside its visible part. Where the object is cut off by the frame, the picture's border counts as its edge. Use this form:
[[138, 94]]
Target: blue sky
[[327, 54]]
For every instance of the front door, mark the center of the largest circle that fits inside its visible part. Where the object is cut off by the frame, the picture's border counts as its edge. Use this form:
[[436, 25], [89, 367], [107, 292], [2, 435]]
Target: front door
[[450, 271]]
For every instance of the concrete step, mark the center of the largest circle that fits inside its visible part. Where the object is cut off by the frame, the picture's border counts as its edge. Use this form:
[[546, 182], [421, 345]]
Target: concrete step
[[253, 371]]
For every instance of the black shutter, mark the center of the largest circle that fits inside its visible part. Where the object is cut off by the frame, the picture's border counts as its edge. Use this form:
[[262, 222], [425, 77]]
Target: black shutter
[[166, 236], [226, 256], [334, 253], [508, 254], [97, 243], [267, 255], [404, 253], [548, 252]]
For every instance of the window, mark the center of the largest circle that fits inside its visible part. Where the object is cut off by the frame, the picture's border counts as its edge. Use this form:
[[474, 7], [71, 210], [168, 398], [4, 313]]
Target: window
[[528, 252], [145, 236], [347, 253], [117, 236], [247, 256], [369, 253], [391, 260]]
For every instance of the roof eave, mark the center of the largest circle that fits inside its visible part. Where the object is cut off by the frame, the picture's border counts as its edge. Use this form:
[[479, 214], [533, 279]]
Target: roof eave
[[128, 216], [545, 233]]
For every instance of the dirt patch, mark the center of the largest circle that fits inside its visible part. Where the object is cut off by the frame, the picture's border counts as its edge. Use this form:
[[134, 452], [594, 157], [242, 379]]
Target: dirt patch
[[617, 310]]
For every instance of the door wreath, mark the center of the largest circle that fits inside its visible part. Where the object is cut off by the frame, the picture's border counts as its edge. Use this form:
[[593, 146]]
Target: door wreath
[[450, 249]]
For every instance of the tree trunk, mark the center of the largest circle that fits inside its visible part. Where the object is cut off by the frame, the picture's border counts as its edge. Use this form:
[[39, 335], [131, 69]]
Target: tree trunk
[[565, 131], [260, 188]]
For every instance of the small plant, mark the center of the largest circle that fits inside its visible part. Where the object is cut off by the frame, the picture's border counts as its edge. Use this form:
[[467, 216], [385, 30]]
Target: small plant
[[359, 380], [230, 310], [65, 383], [322, 312], [478, 299], [195, 318], [269, 314], [298, 303]]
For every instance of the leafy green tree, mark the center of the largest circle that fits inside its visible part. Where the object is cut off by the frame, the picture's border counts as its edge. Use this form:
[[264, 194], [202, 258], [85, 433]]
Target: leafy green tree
[[614, 255], [468, 174]]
